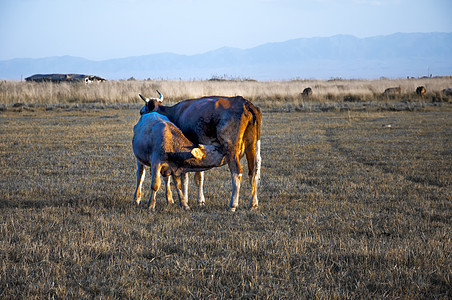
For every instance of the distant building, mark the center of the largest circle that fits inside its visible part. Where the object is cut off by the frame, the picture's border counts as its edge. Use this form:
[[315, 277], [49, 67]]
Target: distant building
[[65, 78]]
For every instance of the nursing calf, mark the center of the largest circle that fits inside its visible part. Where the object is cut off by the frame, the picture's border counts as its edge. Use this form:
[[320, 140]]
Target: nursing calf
[[159, 144]]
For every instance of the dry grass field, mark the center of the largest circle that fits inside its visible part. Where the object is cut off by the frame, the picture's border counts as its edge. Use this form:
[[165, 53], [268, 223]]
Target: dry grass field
[[266, 94], [349, 208]]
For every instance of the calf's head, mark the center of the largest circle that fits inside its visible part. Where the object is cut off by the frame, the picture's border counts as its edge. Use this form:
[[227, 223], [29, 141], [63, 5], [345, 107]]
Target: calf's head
[[151, 104], [199, 153], [207, 156]]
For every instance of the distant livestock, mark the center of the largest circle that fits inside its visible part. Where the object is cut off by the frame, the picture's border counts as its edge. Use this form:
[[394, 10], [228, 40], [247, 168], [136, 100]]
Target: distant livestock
[[420, 91], [307, 92], [159, 144], [392, 91], [447, 92], [57, 78], [232, 123]]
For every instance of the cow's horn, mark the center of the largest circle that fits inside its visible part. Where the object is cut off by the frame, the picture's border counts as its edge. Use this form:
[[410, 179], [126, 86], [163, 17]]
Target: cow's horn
[[149, 99], [161, 96], [144, 98]]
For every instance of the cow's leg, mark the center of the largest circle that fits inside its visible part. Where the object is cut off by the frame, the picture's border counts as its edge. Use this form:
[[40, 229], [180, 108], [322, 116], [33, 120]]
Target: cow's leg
[[141, 172], [168, 194], [236, 179], [236, 176], [199, 179], [231, 149], [253, 157], [185, 184], [182, 201], [155, 184]]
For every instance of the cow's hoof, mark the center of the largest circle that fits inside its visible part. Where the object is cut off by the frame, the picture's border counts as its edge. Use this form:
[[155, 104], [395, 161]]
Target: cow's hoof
[[169, 200], [232, 209], [186, 208], [253, 207], [201, 204]]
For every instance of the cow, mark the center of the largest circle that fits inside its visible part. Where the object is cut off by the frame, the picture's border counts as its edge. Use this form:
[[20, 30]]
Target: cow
[[420, 91], [159, 144], [447, 92], [307, 92], [392, 91], [232, 123]]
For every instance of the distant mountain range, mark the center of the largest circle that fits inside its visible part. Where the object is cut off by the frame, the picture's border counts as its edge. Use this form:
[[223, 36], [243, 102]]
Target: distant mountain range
[[340, 56]]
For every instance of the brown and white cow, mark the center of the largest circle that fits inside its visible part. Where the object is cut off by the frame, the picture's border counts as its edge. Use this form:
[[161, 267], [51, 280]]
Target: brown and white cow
[[420, 91], [159, 144], [233, 123]]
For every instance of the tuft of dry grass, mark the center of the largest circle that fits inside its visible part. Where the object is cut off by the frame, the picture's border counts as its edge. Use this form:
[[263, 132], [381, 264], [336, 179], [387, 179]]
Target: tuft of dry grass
[[349, 208]]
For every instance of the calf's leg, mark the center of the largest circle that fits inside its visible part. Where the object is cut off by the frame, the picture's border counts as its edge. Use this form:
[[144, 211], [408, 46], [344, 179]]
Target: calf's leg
[[141, 172], [168, 194], [155, 184], [182, 200]]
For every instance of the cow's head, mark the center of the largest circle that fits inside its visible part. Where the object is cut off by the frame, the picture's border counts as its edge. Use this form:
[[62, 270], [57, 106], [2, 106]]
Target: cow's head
[[151, 104]]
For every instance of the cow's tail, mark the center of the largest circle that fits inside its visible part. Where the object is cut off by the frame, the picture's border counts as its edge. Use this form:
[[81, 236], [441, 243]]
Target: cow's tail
[[254, 164], [258, 159], [256, 124]]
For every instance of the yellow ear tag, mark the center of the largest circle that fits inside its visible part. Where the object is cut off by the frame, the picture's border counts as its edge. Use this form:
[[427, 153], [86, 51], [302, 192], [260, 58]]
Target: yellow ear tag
[[197, 153]]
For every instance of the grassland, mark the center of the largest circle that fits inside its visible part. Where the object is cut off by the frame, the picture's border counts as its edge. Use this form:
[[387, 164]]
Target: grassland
[[349, 207], [268, 95]]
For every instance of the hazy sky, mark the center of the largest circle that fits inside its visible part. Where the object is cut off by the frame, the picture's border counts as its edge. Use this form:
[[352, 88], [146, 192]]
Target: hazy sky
[[106, 29]]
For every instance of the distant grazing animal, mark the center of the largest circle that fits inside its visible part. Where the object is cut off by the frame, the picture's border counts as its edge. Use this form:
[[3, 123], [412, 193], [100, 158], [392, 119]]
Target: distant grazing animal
[[392, 91], [307, 92], [159, 144], [447, 92], [233, 123], [420, 91]]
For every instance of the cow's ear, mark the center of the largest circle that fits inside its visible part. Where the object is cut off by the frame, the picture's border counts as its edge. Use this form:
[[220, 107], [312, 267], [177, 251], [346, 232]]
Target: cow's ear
[[143, 98], [198, 153]]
